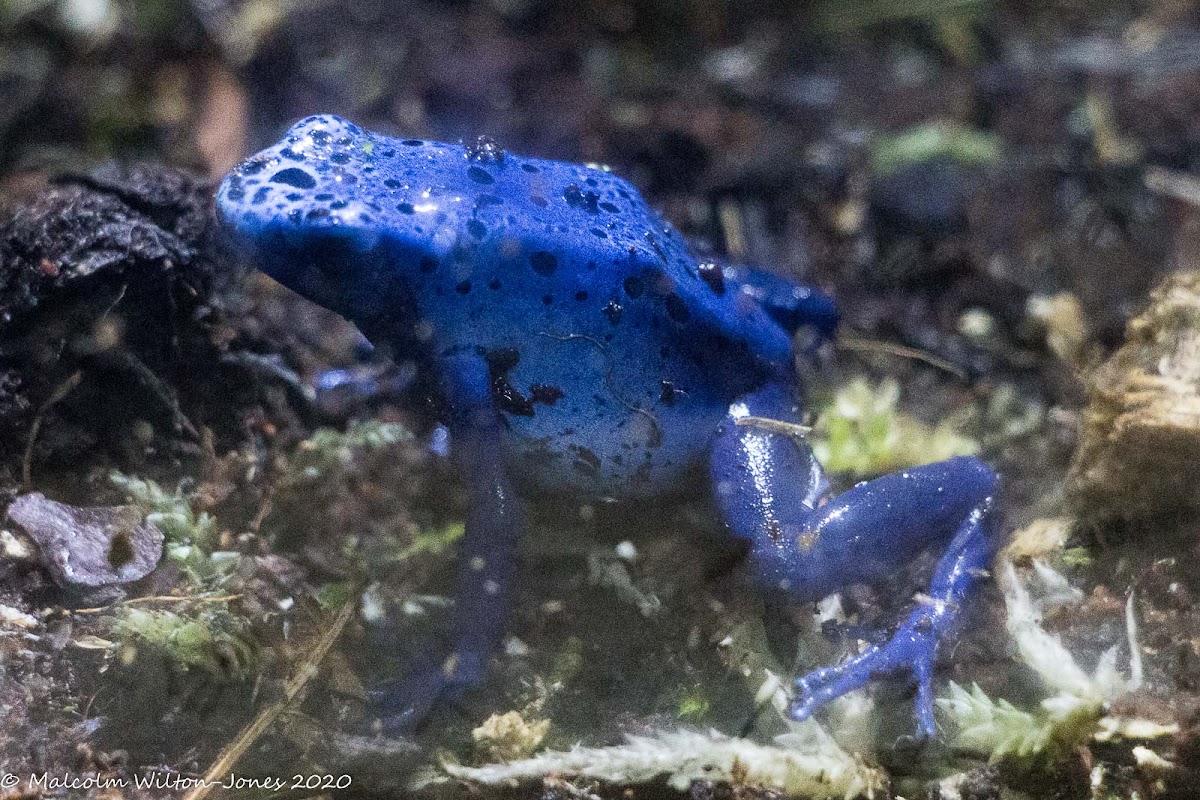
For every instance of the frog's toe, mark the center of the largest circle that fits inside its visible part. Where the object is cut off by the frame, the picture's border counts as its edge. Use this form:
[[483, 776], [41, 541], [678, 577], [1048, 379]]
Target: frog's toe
[[913, 648]]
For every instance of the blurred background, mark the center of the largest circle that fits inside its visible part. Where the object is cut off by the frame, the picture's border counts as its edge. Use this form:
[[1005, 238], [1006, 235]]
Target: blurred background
[[849, 141], [989, 187]]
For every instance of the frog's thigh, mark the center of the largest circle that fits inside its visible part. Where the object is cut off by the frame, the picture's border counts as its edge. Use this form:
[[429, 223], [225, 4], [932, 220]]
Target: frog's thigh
[[769, 488], [767, 485], [866, 533]]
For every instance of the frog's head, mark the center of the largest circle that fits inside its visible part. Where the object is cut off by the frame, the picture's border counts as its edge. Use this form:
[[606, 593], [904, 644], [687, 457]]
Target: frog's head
[[300, 212]]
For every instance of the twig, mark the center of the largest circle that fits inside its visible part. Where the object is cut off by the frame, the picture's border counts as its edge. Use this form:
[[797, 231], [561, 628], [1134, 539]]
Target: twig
[[159, 389], [292, 691], [60, 393], [264, 508], [871, 346], [733, 228], [795, 430], [159, 598]]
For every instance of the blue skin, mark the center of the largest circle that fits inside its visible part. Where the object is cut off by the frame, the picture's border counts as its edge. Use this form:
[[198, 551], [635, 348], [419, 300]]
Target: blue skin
[[579, 351]]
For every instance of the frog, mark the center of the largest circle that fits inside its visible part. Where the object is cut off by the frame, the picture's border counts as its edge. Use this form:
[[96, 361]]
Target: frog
[[577, 349]]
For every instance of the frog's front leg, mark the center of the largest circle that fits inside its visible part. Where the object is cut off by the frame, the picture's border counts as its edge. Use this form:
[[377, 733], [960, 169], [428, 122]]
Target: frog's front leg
[[770, 490], [792, 305], [487, 554]]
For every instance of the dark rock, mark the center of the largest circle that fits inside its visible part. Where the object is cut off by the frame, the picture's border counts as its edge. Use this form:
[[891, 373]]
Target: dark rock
[[122, 326], [117, 219]]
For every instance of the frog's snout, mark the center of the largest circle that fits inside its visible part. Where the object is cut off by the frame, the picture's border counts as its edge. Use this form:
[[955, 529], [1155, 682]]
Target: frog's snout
[[309, 179]]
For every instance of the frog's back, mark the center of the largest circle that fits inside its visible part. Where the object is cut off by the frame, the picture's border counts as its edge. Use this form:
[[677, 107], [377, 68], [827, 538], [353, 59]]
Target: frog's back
[[613, 352]]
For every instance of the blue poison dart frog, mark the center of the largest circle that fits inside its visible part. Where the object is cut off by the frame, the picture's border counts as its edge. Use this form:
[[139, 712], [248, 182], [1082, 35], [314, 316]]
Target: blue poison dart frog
[[580, 351]]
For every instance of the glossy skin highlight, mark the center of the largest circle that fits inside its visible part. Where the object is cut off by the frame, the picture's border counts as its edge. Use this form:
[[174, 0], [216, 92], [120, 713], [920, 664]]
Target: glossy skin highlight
[[580, 351]]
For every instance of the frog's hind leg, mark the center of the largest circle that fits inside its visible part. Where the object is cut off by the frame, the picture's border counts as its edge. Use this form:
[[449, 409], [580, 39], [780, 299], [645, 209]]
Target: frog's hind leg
[[792, 305], [487, 554], [770, 491]]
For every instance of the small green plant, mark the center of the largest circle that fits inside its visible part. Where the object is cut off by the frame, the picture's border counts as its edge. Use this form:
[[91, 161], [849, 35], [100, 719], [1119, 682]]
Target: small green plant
[[170, 512], [1005, 732], [694, 706], [1076, 703], [434, 542], [189, 537], [332, 596]]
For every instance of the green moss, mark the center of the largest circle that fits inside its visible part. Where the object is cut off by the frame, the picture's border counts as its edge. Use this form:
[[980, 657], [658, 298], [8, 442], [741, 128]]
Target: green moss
[[833, 16], [568, 662], [863, 434], [329, 451], [212, 640], [433, 542], [1006, 733], [1077, 557], [1075, 702], [332, 596], [694, 706], [189, 537], [935, 140], [170, 512]]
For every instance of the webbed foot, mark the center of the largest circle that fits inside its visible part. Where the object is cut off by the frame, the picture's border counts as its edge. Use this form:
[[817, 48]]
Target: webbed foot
[[913, 647], [400, 706]]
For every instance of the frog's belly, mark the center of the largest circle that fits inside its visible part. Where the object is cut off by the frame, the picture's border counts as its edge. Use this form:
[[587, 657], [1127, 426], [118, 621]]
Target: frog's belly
[[611, 411], [636, 453], [601, 426]]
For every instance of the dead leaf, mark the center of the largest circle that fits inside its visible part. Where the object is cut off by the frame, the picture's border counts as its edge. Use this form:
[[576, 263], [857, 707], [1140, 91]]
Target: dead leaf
[[95, 546]]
